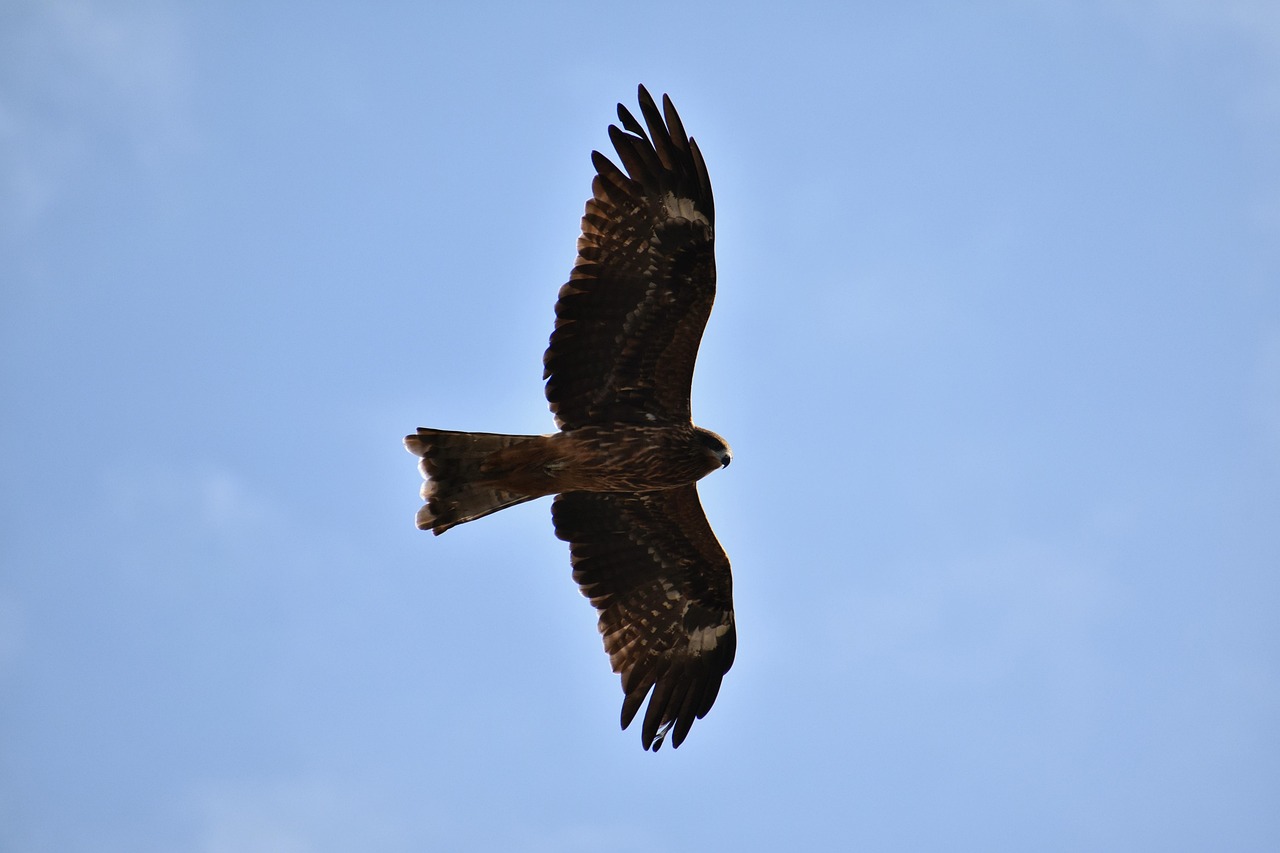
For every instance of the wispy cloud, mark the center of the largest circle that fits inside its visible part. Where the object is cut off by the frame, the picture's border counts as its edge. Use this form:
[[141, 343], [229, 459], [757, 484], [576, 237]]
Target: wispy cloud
[[216, 501], [1255, 20], [298, 815], [1266, 396], [1253, 26], [74, 76], [1025, 607], [12, 631]]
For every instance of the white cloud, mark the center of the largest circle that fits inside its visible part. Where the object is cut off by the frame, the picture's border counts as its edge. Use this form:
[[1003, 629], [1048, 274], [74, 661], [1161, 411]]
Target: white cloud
[[1180, 20], [1202, 32], [213, 500], [302, 815], [588, 838], [1026, 607], [132, 51], [1266, 395], [76, 76], [12, 631], [1255, 20]]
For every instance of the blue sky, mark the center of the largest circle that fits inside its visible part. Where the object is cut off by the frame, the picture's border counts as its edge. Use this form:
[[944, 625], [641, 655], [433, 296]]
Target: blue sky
[[997, 346]]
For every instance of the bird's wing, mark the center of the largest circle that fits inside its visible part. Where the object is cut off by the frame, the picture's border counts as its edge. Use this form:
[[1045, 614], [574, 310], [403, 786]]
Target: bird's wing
[[630, 318], [654, 570]]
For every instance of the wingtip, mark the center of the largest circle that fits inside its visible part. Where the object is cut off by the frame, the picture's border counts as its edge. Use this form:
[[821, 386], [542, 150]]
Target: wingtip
[[661, 737]]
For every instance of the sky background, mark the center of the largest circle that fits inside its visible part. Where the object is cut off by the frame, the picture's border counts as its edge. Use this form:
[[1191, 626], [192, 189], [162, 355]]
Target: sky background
[[997, 347]]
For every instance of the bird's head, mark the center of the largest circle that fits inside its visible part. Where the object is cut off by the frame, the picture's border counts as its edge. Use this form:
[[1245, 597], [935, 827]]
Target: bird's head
[[717, 448]]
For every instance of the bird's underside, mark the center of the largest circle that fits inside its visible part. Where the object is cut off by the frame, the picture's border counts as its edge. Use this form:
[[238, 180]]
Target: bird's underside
[[467, 475], [624, 464]]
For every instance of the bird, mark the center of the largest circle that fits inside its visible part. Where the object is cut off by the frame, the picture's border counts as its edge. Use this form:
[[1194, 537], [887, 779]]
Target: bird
[[625, 459]]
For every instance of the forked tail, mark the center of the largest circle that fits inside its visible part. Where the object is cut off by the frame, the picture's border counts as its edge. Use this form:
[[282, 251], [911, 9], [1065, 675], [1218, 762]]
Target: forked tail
[[463, 475]]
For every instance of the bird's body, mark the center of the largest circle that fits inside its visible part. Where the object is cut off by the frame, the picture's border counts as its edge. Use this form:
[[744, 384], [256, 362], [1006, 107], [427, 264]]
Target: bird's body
[[588, 459], [619, 369]]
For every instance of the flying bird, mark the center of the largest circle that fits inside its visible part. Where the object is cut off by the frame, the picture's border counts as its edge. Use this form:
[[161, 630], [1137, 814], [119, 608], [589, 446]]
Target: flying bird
[[624, 463]]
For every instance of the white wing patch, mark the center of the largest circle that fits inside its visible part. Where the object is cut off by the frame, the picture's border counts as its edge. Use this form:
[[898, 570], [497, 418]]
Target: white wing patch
[[683, 208], [706, 639]]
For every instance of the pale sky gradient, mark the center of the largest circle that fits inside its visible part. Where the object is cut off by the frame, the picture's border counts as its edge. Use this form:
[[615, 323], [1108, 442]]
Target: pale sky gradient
[[997, 347]]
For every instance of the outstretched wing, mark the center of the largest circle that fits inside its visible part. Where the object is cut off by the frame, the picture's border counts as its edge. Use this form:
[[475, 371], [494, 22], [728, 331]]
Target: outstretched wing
[[630, 318], [651, 565]]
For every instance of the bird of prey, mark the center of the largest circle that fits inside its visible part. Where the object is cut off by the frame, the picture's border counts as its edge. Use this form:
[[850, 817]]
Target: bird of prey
[[624, 463]]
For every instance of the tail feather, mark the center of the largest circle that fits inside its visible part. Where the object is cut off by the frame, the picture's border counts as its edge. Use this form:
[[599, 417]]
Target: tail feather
[[457, 485]]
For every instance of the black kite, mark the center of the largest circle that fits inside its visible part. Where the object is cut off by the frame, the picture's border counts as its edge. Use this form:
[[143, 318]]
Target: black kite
[[624, 463]]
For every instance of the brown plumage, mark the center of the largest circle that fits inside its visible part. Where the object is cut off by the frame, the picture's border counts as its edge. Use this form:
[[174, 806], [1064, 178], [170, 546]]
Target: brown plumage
[[618, 373]]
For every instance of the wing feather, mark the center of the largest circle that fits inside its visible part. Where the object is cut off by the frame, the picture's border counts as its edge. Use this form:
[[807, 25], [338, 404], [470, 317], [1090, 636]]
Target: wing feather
[[631, 317], [654, 570], [629, 120], [678, 136], [663, 145]]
